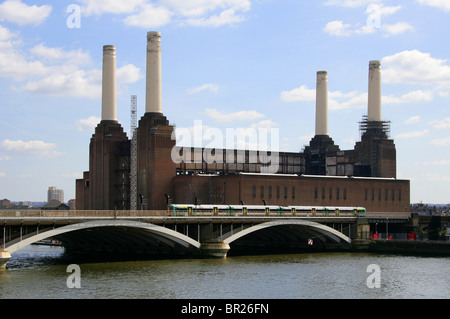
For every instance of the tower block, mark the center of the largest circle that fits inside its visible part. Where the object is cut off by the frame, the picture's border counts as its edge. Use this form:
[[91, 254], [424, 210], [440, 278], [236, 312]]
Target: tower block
[[108, 161], [155, 168]]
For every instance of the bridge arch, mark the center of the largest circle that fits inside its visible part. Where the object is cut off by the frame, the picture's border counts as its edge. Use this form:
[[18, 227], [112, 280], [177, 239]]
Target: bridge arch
[[292, 228], [114, 235]]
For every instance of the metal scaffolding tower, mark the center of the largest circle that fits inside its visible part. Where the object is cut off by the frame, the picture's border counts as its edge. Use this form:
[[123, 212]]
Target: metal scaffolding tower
[[133, 154]]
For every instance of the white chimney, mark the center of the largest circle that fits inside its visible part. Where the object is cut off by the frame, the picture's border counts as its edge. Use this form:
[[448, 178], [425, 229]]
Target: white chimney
[[322, 103], [374, 107], [109, 102], [153, 93]]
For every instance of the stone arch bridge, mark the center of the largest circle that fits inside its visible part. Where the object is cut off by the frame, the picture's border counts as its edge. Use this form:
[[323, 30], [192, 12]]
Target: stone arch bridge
[[159, 233]]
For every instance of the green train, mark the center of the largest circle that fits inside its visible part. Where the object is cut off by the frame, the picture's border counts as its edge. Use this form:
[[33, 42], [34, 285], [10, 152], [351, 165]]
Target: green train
[[264, 210]]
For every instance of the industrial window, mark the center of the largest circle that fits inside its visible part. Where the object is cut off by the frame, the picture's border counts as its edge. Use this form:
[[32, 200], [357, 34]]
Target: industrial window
[[331, 193], [393, 195], [293, 191], [285, 191], [345, 193], [323, 192], [379, 194], [254, 191], [385, 194], [337, 193], [365, 193], [315, 192], [262, 191], [270, 191], [278, 191], [373, 194], [399, 195]]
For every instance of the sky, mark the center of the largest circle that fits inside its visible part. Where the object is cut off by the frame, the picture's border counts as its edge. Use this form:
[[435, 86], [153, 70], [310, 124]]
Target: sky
[[225, 64]]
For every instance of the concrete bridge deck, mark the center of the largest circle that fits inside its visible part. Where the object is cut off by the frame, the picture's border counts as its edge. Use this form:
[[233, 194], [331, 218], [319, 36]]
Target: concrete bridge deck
[[162, 232]]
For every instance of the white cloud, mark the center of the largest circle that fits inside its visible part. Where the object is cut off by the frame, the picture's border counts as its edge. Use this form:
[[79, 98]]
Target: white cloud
[[442, 124], [54, 71], [230, 117], [415, 67], [17, 12], [441, 4], [441, 141], [208, 86], [373, 22], [88, 124], [226, 17], [397, 28], [338, 100], [412, 134], [440, 163], [30, 148], [350, 3], [149, 16], [264, 124], [5, 34], [75, 57], [413, 120], [299, 94], [98, 7], [413, 96]]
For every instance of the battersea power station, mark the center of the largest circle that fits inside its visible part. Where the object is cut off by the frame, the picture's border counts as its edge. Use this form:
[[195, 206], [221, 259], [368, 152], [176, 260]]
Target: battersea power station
[[141, 172]]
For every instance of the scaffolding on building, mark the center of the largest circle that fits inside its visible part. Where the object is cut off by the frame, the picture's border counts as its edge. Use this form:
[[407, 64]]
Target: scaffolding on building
[[133, 154]]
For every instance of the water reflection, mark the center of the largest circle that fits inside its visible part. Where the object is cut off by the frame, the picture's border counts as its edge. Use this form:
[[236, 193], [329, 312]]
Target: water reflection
[[40, 272]]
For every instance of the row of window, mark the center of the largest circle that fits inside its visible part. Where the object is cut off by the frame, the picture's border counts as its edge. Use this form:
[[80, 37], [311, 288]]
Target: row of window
[[336, 193], [277, 192]]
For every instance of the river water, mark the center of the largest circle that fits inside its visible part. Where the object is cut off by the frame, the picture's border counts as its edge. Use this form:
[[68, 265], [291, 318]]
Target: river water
[[41, 272]]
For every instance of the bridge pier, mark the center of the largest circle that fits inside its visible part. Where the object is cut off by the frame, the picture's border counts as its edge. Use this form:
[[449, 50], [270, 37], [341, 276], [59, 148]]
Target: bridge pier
[[216, 249], [4, 257]]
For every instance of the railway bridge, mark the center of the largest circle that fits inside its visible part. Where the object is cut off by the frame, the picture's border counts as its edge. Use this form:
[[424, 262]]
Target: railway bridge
[[206, 233]]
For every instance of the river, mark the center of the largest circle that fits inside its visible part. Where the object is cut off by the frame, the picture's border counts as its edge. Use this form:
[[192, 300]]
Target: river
[[42, 272]]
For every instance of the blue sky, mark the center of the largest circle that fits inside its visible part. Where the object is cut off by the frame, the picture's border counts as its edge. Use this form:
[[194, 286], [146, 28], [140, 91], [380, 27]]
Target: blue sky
[[228, 64]]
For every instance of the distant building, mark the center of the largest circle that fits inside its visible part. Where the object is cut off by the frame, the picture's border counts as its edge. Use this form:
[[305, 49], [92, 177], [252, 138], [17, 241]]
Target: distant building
[[55, 194], [5, 203], [55, 205], [71, 204]]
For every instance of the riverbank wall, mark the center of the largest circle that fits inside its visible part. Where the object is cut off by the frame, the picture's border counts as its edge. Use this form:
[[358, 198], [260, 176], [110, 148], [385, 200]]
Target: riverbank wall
[[407, 247]]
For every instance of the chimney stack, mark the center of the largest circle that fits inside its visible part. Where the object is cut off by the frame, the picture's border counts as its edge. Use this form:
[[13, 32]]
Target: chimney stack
[[322, 103], [374, 107], [153, 93], [109, 102]]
